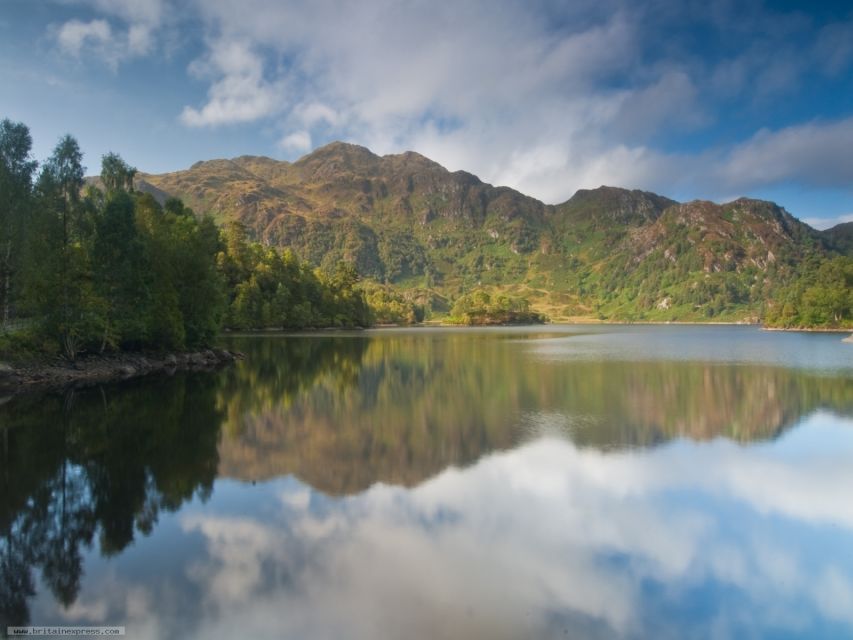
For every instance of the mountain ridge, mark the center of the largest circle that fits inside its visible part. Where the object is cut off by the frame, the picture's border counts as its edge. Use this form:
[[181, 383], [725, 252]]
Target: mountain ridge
[[405, 220]]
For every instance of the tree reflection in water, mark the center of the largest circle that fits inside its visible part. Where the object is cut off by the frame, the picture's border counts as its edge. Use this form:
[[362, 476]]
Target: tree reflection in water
[[340, 412], [99, 463]]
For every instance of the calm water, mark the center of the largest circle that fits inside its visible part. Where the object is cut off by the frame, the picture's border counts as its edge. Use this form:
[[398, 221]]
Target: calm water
[[557, 482]]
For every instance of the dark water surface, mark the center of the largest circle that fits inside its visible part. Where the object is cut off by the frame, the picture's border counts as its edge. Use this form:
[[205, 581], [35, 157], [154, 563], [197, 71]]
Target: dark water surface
[[551, 482]]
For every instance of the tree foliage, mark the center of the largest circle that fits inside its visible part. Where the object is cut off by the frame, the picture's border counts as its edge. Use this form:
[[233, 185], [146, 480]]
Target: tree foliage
[[116, 270], [481, 307], [268, 288], [822, 296], [388, 305], [93, 269], [16, 175]]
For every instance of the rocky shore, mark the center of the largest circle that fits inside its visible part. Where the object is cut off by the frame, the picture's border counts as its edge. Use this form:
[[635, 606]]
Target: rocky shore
[[59, 373]]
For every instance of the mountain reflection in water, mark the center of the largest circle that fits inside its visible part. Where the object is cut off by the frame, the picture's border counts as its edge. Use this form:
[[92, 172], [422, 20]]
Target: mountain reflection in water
[[355, 411], [535, 501]]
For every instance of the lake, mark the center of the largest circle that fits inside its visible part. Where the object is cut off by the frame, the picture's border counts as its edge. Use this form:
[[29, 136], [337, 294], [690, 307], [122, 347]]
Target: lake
[[529, 482]]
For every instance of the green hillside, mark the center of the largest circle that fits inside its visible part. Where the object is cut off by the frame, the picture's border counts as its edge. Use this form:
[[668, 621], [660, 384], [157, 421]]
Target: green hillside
[[607, 253]]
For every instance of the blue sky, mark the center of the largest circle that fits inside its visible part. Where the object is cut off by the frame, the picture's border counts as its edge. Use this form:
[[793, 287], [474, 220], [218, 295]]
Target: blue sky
[[691, 99]]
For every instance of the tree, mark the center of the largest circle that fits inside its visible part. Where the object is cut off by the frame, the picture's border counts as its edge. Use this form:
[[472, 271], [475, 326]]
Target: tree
[[820, 295], [59, 285], [187, 292], [65, 171], [116, 174], [121, 272], [199, 286], [16, 176]]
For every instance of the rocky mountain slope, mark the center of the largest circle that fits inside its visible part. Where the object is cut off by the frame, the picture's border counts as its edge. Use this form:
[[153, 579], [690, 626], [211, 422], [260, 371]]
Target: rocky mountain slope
[[406, 220]]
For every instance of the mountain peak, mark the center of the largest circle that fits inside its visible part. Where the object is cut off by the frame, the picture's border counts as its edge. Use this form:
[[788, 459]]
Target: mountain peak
[[337, 147], [336, 159], [410, 161], [250, 159], [607, 205]]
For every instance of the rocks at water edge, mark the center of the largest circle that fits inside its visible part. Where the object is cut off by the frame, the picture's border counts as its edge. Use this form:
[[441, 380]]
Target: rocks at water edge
[[97, 369]]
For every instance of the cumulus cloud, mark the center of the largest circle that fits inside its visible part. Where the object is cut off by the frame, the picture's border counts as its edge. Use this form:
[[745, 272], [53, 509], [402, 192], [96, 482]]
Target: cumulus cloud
[[816, 153], [240, 92], [498, 93], [546, 98], [298, 141], [314, 113], [74, 35], [510, 96], [108, 42]]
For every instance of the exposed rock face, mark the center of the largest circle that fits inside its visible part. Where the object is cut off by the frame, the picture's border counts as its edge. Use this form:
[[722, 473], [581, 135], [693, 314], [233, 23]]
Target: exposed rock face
[[727, 237]]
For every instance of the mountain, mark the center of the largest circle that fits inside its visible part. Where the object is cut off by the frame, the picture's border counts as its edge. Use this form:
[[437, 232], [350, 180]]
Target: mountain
[[406, 220], [840, 238], [701, 258], [398, 218]]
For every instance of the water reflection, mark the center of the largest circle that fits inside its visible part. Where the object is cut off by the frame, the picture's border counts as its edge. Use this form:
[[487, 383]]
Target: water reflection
[[400, 408], [99, 465], [536, 498], [547, 540]]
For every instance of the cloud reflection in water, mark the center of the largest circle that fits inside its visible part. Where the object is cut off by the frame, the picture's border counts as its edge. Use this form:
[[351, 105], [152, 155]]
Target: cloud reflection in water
[[686, 540]]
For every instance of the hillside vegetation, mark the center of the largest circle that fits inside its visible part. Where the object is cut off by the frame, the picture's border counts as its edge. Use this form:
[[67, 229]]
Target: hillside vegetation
[[344, 237], [89, 269], [422, 232]]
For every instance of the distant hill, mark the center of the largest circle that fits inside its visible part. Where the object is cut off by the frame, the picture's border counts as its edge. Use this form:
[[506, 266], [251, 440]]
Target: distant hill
[[608, 252], [840, 238]]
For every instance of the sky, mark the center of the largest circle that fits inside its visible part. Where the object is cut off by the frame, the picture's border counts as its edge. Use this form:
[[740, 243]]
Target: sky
[[711, 99]]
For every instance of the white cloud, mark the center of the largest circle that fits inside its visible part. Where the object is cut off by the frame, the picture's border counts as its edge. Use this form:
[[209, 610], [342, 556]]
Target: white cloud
[[816, 154], [299, 141], [314, 113], [493, 92], [240, 93], [671, 102], [104, 40], [139, 39], [505, 95], [835, 47], [131, 11], [74, 35], [547, 99]]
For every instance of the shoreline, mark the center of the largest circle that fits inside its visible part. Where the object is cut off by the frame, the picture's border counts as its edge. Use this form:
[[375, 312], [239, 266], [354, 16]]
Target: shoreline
[[596, 321], [58, 374], [580, 321], [808, 329]]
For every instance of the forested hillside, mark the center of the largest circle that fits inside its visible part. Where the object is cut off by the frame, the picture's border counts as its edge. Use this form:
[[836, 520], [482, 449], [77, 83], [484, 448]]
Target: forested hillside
[[88, 268], [343, 237], [430, 236]]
